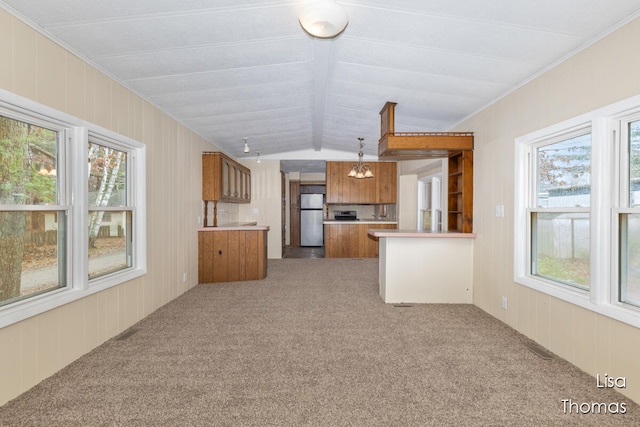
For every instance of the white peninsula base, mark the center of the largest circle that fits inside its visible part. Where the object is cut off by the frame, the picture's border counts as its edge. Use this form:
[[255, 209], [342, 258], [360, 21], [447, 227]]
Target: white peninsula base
[[425, 267]]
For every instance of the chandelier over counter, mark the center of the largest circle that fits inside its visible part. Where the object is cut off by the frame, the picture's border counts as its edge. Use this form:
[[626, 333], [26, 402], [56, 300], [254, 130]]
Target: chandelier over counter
[[361, 170]]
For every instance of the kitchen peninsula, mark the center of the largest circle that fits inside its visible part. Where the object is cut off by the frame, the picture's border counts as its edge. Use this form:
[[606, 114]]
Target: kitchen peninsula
[[232, 253], [425, 266], [350, 239]]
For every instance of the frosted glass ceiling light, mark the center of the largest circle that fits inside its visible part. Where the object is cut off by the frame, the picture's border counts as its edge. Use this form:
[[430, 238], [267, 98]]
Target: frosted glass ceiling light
[[246, 146], [323, 19]]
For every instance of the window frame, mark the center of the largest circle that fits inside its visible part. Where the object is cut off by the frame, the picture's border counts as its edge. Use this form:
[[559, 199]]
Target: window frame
[[72, 165], [95, 138], [607, 188], [623, 207], [534, 207]]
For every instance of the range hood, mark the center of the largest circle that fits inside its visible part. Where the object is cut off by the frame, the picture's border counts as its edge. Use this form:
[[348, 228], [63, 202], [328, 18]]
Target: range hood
[[417, 145]]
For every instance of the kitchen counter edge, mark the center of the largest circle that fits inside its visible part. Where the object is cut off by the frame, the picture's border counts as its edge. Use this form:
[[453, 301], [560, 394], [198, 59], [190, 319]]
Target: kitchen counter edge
[[236, 226], [421, 234], [360, 221]]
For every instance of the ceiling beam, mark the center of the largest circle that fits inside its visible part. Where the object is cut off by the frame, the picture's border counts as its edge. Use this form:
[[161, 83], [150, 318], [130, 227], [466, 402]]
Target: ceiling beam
[[321, 55]]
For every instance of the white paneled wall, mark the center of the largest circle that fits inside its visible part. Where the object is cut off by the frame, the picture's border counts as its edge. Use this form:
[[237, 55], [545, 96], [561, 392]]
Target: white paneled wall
[[265, 206], [585, 82], [36, 68]]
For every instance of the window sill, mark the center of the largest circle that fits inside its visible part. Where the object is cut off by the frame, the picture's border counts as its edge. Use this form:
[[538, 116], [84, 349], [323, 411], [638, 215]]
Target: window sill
[[617, 311], [22, 310]]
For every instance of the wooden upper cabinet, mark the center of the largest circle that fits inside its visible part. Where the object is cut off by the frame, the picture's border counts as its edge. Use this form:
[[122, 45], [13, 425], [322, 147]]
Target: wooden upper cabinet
[[386, 182], [225, 179], [382, 188]]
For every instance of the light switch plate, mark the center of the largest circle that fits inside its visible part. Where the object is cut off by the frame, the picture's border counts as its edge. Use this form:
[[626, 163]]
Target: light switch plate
[[500, 210]]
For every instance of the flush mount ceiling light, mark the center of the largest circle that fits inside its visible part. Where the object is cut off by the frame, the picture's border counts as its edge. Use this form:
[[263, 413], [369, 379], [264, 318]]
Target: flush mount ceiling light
[[323, 19], [246, 146], [361, 170]]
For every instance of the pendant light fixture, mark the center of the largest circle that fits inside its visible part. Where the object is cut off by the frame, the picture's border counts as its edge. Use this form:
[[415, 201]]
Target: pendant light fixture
[[258, 158], [323, 19], [361, 170], [246, 146]]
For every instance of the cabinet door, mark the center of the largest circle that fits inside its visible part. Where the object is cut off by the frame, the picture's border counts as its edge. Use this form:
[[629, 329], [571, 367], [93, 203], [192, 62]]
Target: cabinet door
[[246, 182], [237, 194], [233, 181], [235, 259], [205, 257], [226, 186], [386, 182], [220, 256], [331, 241], [248, 197], [334, 182], [252, 260], [211, 176]]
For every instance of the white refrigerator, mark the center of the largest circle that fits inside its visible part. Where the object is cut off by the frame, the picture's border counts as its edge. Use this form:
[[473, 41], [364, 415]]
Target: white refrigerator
[[311, 216]]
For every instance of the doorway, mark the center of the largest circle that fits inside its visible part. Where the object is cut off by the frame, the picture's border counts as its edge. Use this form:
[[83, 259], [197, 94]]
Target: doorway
[[300, 211]]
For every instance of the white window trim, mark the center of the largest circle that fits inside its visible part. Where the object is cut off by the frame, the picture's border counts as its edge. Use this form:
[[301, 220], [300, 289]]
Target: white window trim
[[602, 297], [78, 284]]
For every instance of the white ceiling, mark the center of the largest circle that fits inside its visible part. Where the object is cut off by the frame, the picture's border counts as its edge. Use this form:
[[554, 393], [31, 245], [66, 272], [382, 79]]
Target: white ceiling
[[230, 69]]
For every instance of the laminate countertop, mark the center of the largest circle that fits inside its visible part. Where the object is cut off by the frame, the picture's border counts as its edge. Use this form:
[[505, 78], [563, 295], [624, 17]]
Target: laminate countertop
[[249, 226], [421, 234], [360, 221]]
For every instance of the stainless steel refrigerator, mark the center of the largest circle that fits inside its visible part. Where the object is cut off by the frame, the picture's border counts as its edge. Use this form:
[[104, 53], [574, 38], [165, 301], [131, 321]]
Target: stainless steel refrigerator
[[311, 213]]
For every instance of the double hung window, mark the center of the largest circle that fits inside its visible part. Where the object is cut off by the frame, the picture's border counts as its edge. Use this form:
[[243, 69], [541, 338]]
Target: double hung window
[[629, 213], [33, 208], [577, 211], [110, 215], [560, 217], [71, 208]]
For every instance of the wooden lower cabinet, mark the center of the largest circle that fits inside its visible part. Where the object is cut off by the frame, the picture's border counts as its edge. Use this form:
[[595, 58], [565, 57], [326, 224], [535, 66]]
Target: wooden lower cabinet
[[231, 255], [351, 240]]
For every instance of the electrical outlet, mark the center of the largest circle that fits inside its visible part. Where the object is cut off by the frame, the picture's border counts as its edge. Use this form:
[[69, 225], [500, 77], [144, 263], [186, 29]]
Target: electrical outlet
[[504, 303], [500, 211]]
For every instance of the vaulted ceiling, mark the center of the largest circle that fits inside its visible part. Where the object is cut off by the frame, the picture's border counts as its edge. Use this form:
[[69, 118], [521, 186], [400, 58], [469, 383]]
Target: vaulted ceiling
[[234, 69]]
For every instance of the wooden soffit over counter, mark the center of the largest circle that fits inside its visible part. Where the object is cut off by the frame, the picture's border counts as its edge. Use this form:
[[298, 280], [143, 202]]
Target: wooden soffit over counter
[[417, 145]]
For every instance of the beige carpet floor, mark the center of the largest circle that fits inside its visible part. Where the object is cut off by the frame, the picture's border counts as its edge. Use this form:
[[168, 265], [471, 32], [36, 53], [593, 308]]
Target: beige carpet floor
[[313, 344]]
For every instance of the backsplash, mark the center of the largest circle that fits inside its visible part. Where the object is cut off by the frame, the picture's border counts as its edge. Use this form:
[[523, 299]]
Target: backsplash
[[365, 212]]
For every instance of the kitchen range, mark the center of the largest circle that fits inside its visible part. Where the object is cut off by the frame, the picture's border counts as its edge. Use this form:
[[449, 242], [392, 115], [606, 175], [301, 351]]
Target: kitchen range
[[345, 215]]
